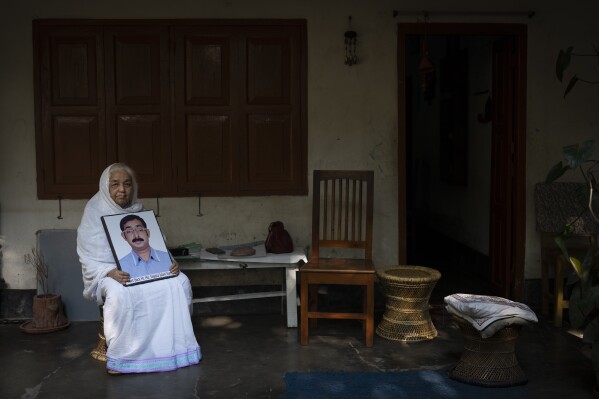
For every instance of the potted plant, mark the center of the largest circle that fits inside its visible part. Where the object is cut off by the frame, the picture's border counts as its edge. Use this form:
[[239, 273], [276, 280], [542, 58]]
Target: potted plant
[[583, 287], [564, 59], [48, 310]]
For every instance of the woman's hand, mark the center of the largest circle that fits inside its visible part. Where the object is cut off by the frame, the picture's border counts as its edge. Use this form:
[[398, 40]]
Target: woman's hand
[[120, 276], [174, 268]]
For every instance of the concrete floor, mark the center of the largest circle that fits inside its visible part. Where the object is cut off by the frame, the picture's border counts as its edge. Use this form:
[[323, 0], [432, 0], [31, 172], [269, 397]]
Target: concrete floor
[[247, 357]]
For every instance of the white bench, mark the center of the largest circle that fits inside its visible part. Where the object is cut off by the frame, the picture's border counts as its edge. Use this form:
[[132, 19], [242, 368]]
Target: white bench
[[290, 262]]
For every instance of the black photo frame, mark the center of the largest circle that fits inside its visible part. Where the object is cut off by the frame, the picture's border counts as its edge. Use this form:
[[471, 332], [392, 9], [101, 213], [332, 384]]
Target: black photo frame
[[138, 246]]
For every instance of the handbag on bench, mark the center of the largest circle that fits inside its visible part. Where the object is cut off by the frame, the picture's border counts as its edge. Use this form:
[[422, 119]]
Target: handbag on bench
[[278, 240]]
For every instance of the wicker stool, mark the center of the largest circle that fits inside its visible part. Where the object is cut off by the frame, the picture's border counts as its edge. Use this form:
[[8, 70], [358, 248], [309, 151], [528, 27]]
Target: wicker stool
[[489, 362], [99, 352], [407, 290]]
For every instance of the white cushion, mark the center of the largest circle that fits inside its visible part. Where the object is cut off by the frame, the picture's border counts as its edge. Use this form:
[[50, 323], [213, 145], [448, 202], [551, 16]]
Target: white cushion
[[489, 314]]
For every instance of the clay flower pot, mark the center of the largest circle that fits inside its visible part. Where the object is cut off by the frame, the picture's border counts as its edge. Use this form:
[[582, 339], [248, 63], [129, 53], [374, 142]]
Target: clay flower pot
[[48, 315]]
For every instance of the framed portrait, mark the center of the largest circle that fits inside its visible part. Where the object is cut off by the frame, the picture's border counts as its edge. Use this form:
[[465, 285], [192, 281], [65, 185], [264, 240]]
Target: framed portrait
[[138, 246]]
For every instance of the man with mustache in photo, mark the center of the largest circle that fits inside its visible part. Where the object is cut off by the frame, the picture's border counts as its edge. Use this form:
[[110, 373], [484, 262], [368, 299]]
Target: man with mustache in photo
[[143, 260]]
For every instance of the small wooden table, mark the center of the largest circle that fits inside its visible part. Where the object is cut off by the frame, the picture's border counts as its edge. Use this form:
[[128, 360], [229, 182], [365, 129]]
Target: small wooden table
[[289, 262]]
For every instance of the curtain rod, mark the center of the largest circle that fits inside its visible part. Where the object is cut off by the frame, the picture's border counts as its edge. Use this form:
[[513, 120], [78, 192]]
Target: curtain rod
[[427, 14]]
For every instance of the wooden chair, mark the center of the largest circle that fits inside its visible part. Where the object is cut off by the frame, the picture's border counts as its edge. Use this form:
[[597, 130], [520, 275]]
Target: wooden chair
[[577, 246], [342, 211], [557, 204]]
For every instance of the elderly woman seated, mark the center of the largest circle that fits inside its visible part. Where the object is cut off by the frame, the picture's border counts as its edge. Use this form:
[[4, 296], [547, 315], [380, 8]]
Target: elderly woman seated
[[148, 326]]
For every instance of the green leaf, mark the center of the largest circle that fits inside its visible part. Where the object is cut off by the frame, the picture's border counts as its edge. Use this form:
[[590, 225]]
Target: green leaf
[[589, 260], [571, 84], [560, 240], [591, 332], [562, 237], [595, 203], [568, 230], [593, 292], [577, 154], [587, 148], [595, 356], [577, 309], [575, 262], [582, 305], [573, 278], [562, 62], [556, 172]]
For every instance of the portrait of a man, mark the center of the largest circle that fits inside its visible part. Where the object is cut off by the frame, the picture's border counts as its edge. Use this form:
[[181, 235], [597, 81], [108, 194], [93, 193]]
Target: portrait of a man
[[138, 246], [143, 260]]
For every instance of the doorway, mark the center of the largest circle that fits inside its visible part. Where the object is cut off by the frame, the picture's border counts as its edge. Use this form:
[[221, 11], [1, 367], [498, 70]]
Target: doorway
[[461, 149]]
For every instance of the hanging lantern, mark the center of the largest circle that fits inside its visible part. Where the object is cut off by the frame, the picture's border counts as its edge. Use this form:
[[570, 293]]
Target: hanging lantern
[[350, 46]]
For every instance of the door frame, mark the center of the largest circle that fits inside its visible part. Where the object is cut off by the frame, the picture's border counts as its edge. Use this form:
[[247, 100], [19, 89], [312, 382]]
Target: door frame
[[518, 214]]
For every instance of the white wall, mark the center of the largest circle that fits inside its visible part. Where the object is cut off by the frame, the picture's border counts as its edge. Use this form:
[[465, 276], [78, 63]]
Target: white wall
[[352, 113]]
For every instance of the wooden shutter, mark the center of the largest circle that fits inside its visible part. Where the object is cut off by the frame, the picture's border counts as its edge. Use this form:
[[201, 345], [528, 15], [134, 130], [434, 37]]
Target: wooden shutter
[[206, 97], [270, 110], [70, 141], [137, 104], [195, 107]]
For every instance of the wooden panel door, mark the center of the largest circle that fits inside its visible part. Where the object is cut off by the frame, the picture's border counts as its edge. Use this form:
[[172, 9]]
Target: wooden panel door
[[502, 168], [71, 140], [206, 98], [270, 122], [138, 104]]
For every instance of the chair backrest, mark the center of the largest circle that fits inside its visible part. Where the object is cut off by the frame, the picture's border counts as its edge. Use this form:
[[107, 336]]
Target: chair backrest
[[342, 210], [560, 203]]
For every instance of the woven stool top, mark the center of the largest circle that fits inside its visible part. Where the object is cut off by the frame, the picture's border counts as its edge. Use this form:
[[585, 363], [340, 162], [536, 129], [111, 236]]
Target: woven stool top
[[408, 273]]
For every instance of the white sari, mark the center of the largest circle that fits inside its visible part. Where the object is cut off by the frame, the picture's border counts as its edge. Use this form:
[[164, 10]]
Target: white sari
[[148, 326]]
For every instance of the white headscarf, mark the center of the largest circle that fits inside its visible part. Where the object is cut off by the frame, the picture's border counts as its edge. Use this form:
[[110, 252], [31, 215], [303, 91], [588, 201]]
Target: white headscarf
[[93, 248]]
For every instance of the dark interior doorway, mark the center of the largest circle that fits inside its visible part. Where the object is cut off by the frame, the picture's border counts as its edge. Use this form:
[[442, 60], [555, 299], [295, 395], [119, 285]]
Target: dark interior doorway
[[450, 216]]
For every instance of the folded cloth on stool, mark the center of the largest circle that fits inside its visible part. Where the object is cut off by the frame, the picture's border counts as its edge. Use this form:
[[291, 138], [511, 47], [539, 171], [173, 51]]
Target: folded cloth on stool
[[489, 314]]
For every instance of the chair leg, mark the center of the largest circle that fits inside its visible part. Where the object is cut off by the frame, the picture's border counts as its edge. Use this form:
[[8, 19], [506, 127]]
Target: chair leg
[[364, 307], [304, 311], [313, 303], [369, 314], [559, 292], [544, 286]]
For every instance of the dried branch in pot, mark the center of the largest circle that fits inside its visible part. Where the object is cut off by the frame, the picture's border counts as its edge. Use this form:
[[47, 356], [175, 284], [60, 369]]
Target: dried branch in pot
[[37, 261]]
